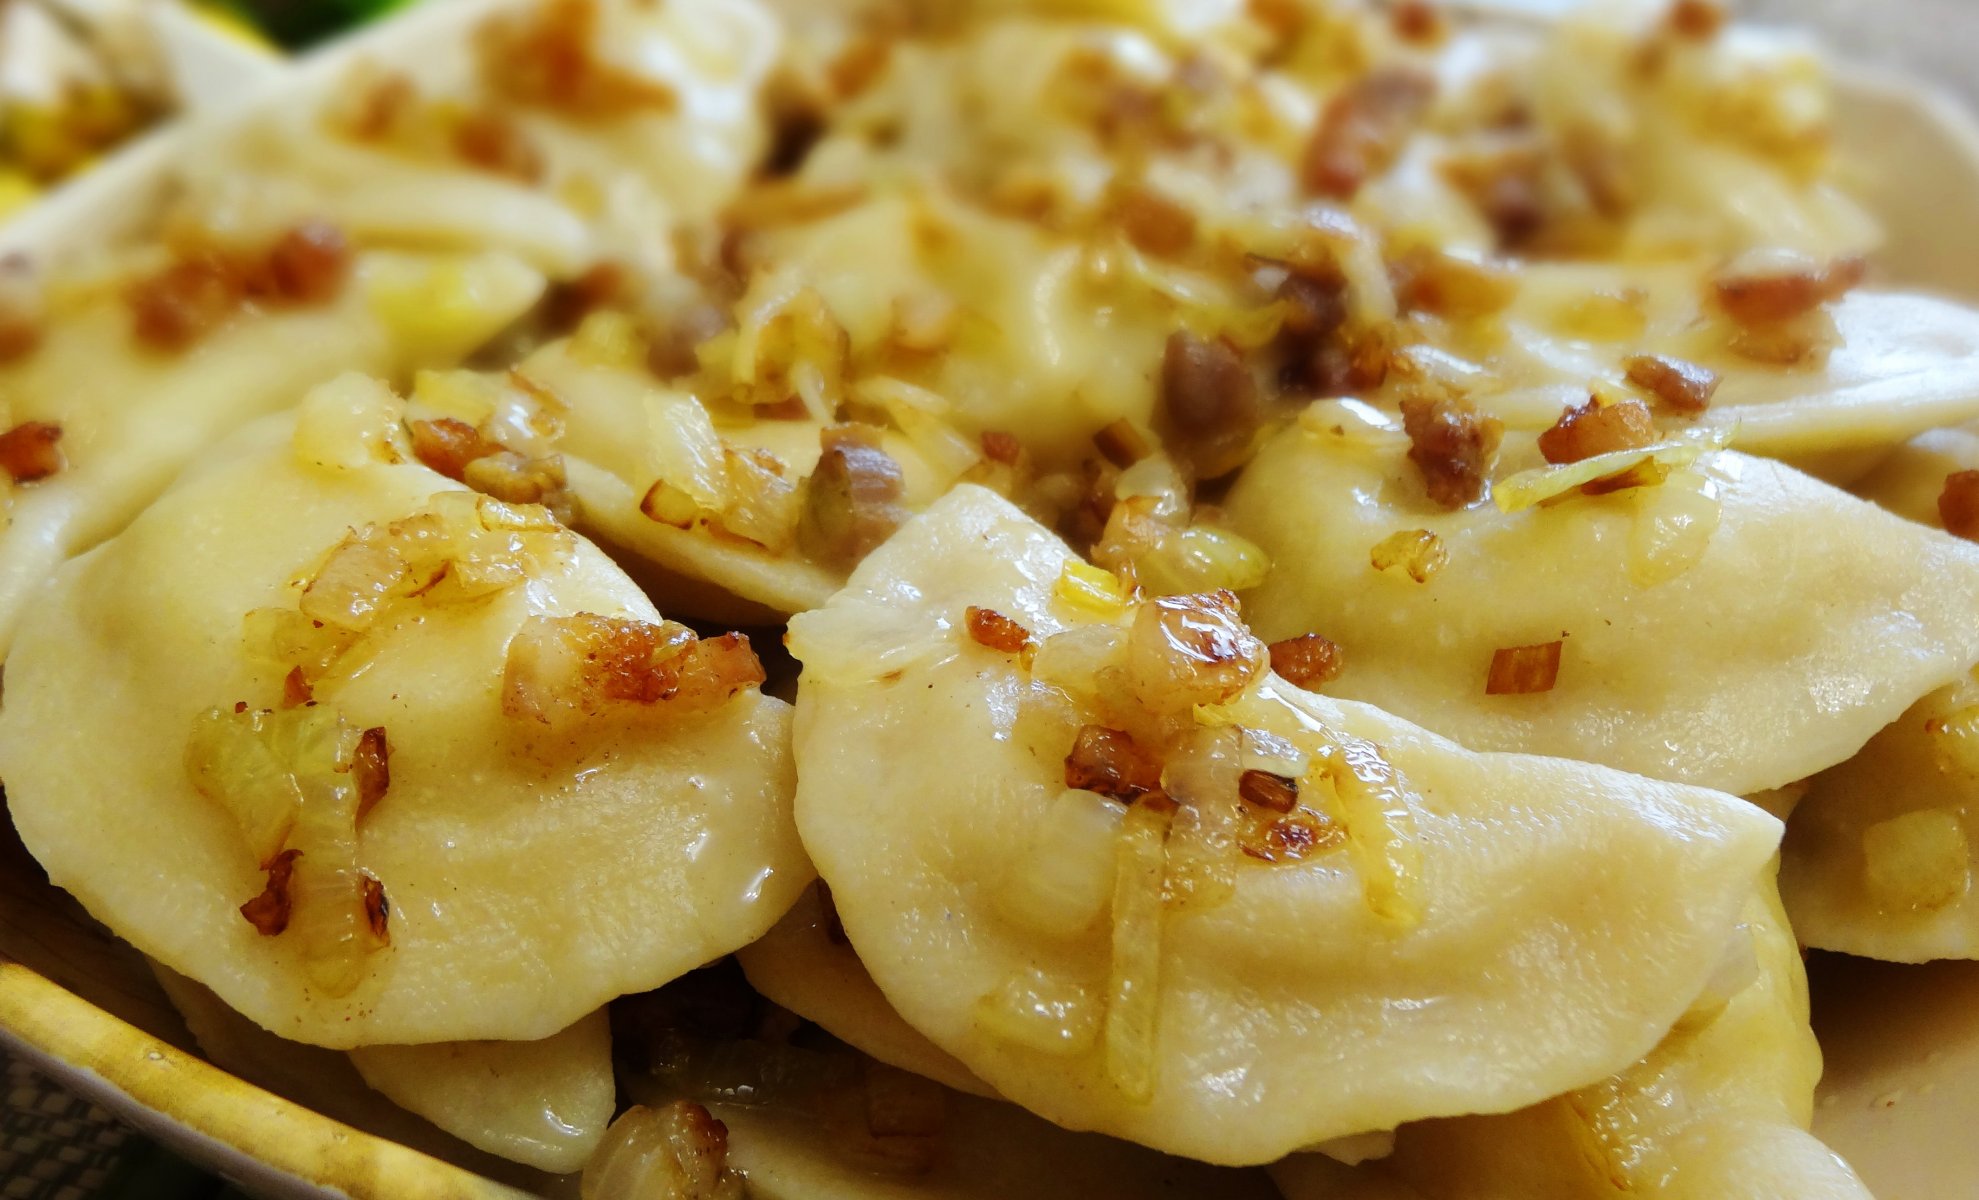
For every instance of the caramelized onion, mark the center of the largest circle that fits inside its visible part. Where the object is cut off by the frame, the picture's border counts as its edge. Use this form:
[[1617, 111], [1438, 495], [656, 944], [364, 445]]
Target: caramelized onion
[[492, 141], [1306, 661], [182, 303], [1276, 793], [1452, 285], [1210, 403], [990, 628], [562, 668], [1684, 386], [1112, 763], [1764, 286], [548, 56], [851, 501], [1597, 428], [269, 911], [1453, 446], [1418, 552], [371, 766], [1185, 651], [31, 451], [1134, 977], [679, 1152], [1363, 128], [1958, 504], [1152, 221], [1378, 809], [1121, 444], [306, 265], [1697, 20], [1523, 670], [447, 445]]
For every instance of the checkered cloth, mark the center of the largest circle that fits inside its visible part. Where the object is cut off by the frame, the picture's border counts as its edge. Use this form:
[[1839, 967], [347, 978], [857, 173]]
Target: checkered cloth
[[54, 1146]]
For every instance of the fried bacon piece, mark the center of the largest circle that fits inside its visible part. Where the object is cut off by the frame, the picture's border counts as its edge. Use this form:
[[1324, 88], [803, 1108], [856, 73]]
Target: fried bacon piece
[[185, 301], [585, 665], [1958, 505], [306, 265], [1523, 670], [1112, 763], [1306, 661], [269, 911], [1684, 386], [1452, 445], [1596, 428], [988, 627], [31, 451], [1362, 130], [852, 499], [1209, 402], [1764, 287]]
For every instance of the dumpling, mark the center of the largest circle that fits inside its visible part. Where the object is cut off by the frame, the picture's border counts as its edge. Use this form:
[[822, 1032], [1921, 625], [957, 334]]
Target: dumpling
[[1911, 479], [1877, 860], [1718, 1111], [543, 1103], [1738, 626], [1372, 891], [393, 763], [805, 964]]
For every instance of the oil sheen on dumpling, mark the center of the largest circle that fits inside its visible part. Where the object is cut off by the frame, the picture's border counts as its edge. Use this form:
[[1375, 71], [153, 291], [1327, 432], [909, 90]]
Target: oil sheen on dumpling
[[1877, 859], [536, 851], [1718, 1111], [1463, 943], [1739, 626], [544, 1103]]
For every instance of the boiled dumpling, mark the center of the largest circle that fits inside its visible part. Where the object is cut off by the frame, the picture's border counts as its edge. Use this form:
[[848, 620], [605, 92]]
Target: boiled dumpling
[[1740, 625], [320, 731], [1718, 1112], [1378, 910]]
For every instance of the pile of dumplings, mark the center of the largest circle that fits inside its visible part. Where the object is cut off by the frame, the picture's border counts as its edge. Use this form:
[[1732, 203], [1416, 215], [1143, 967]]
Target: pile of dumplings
[[1009, 598]]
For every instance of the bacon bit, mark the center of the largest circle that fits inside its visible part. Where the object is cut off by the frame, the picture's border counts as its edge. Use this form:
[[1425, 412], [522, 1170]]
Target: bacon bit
[[448, 445], [494, 142], [1958, 505], [1418, 21], [585, 664], [1684, 386], [269, 911], [377, 909], [1152, 221], [1210, 403], [1307, 661], [1002, 447], [1452, 445], [1762, 287], [184, 302], [1596, 428], [1450, 285], [852, 498], [371, 768], [1506, 184], [1418, 552], [1295, 837], [1697, 20], [1362, 130], [988, 627], [306, 265], [1122, 444], [1268, 791], [296, 691], [547, 57], [513, 479], [1315, 308], [1112, 763], [31, 451], [1523, 670]]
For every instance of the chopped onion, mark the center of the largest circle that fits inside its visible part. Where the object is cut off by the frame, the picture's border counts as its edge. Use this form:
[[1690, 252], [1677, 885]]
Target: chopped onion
[[1418, 552], [988, 627], [1378, 810], [1133, 1005], [1203, 776], [1202, 558], [1541, 484], [678, 1152], [285, 637], [762, 506], [1041, 1013], [1085, 588], [1184, 651], [1059, 885], [1523, 670], [1076, 660], [1673, 526], [1918, 862], [351, 587], [1112, 763], [561, 669], [1307, 661]]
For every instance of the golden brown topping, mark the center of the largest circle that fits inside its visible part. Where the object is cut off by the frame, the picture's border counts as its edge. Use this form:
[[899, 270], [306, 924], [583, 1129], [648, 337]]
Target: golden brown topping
[[1121, 444], [448, 445], [1958, 505], [1419, 21], [31, 451], [1505, 181], [988, 627], [862, 61], [1699, 20], [1184, 651], [1418, 552], [1451, 285], [851, 501], [269, 911], [1112, 763], [1002, 448], [306, 265], [377, 910], [1452, 445], [678, 1152], [1765, 286], [583, 665], [1276, 793], [1523, 670], [20, 335], [1210, 403], [1306, 661], [549, 57], [1684, 386], [184, 302], [1596, 428], [376, 107], [296, 690], [371, 768], [567, 302], [1294, 837], [1154, 222], [1362, 130], [493, 141]]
